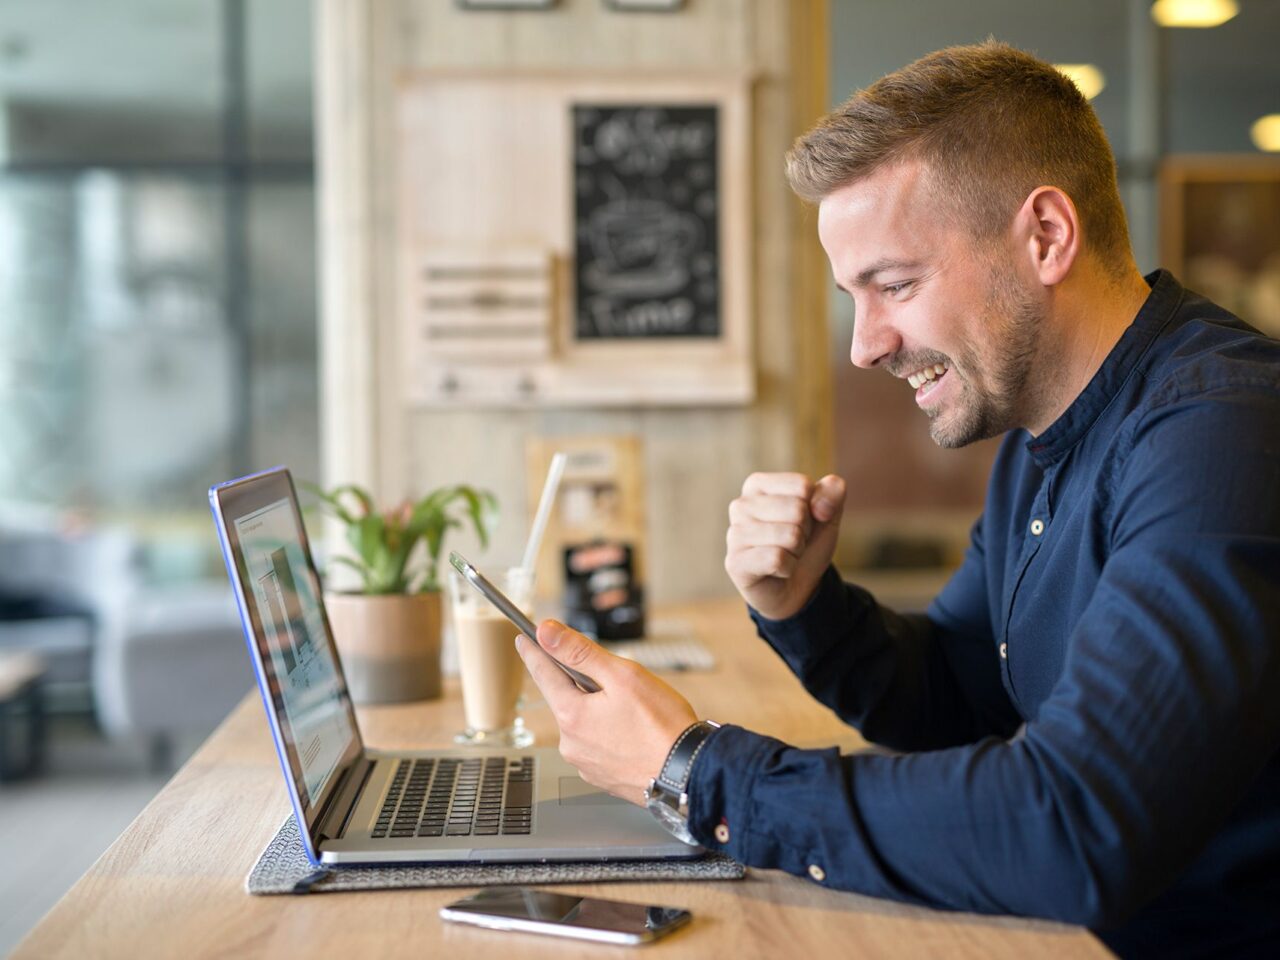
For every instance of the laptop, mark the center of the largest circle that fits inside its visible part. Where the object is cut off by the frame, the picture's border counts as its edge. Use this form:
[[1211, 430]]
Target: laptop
[[355, 805]]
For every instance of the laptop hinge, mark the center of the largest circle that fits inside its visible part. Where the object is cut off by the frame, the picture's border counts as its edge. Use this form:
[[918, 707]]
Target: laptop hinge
[[342, 802]]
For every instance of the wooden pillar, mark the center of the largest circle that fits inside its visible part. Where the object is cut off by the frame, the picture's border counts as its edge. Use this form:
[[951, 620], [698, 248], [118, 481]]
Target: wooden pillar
[[349, 398], [812, 399]]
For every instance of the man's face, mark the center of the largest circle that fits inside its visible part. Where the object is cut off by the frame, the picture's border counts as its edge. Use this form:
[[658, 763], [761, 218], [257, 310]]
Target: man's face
[[933, 306]]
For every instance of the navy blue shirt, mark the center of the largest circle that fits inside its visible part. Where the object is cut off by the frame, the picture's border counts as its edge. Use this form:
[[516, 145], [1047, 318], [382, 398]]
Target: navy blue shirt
[[1085, 725]]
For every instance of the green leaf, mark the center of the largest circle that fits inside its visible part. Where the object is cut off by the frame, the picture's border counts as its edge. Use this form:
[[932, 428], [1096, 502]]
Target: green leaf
[[366, 535], [483, 508], [334, 505], [433, 534], [355, 565], [388, 574], [384, 547], [428, 507], [361, 495], [397, 563]]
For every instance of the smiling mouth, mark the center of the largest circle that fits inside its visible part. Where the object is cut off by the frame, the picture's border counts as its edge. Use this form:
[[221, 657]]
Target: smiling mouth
[[927, 377]]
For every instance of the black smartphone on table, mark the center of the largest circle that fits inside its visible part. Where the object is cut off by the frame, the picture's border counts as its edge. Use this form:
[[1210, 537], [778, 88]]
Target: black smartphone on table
[[566, 915]]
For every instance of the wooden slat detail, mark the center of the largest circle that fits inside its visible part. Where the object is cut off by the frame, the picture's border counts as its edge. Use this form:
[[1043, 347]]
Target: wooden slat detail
[[486, 306]]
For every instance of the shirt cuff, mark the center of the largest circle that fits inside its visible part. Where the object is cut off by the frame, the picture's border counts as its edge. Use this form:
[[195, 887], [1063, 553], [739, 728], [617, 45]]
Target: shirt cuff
[[812, 631], [719, 788]]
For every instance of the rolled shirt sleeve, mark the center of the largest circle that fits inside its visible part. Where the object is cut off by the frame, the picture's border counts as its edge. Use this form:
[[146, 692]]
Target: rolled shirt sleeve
[[907, 682]]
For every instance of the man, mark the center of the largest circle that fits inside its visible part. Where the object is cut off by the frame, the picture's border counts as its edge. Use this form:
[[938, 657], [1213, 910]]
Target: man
[[1088, 718]]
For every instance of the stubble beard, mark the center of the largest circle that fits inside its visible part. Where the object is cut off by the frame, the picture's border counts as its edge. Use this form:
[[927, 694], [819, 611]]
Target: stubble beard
[[981, 412]]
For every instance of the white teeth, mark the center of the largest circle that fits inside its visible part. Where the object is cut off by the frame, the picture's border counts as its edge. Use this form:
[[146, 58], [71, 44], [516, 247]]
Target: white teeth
[[921, 377]]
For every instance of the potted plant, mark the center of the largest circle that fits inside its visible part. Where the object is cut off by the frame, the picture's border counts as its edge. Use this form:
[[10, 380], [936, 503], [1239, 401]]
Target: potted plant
[[388, 630]]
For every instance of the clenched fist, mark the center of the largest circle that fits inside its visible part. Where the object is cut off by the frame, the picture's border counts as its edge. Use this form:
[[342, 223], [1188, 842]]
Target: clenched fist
[[782, 536]]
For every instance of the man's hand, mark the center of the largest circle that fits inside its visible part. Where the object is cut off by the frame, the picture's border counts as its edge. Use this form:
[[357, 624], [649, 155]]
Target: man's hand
[[618, 738], [782, 535]]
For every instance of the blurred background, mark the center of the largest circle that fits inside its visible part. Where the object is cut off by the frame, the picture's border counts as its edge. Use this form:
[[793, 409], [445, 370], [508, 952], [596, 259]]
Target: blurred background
[[204, 210]]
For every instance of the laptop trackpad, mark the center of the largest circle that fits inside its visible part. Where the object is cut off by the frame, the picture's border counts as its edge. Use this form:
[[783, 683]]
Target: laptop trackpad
[[576, 792]]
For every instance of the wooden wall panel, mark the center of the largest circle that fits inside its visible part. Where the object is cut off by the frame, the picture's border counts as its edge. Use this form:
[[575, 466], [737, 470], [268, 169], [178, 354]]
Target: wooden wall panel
[[695, 459]]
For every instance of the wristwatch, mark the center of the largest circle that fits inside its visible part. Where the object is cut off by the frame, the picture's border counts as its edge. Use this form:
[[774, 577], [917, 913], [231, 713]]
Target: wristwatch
[[666, 796]]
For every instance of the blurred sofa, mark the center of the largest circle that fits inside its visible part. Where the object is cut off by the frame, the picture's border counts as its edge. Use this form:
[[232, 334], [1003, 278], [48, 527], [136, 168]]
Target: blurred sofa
[[154, 662]]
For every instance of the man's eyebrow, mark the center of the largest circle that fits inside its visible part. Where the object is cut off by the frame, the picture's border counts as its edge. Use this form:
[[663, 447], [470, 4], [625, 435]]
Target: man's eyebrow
[[865, 277]]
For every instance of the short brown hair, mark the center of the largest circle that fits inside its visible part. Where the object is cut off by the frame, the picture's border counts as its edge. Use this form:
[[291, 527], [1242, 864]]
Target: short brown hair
[[990, 123]]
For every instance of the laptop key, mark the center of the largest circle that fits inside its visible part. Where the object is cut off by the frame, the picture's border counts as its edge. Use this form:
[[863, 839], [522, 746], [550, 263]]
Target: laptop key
[[519, 794]]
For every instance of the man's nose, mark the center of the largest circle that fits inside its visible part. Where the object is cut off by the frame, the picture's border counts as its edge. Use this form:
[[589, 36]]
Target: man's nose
[[874, 339]]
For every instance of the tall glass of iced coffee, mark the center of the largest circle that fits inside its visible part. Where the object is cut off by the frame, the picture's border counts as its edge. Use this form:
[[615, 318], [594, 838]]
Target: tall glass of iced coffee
[[491, 670]]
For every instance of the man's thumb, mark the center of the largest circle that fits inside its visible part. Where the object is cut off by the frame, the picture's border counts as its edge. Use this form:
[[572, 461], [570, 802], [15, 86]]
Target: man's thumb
[[827, 502], [571, 648]]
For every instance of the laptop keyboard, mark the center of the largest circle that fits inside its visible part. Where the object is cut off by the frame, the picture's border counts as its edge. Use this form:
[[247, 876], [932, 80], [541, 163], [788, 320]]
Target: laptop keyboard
[[458, 797]]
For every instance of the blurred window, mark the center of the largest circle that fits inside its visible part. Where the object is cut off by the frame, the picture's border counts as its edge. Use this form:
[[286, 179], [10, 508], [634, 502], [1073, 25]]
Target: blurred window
[[157, 264]]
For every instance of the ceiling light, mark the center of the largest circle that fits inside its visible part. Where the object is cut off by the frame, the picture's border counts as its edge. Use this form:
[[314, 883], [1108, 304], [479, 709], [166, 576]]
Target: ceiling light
[[1266, 133], [1193, 13], [1085, 76]]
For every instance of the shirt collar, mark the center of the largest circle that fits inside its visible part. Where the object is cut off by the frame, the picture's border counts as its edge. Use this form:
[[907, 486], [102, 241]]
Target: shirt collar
[[1075, 421]]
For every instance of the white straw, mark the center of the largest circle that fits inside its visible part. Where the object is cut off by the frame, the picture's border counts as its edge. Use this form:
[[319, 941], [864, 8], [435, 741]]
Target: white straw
[[544, 511]]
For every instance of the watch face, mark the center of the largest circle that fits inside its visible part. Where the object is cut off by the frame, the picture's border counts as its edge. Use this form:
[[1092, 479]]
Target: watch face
[[669, 818]]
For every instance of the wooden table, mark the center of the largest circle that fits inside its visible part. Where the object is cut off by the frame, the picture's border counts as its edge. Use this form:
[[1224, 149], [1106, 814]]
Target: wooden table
[[173, 883]]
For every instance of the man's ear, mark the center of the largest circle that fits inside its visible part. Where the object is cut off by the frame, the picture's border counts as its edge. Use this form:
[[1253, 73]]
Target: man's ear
[[1048, 228]]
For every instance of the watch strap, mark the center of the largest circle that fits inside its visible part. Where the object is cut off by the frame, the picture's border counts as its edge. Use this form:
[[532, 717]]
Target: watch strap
[[674, 776]]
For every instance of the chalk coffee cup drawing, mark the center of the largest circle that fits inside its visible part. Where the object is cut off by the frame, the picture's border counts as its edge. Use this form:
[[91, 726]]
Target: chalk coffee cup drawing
[[491, 670], [641, 247]]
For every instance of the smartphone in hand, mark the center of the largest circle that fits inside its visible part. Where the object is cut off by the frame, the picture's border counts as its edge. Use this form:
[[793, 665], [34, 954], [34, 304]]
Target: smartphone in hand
[[513, 613]]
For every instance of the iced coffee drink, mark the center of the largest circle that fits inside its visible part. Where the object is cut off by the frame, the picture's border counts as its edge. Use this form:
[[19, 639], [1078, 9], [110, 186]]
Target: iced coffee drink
[[491, 670]]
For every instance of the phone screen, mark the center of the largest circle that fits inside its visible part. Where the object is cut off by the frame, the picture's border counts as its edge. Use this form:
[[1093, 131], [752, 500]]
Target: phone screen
[[518, 908]]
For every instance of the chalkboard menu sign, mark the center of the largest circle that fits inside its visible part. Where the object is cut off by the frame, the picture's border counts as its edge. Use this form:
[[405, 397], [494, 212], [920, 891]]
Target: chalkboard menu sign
[[646, 214]]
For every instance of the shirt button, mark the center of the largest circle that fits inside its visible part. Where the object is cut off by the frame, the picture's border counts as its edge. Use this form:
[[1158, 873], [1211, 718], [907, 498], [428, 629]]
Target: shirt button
[[722, 833], [1004, 651], [1037, 527], [817, 872]]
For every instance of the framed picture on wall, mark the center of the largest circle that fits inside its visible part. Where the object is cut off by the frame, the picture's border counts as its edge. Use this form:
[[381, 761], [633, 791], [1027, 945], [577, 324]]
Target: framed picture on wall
[[646, 221], [609, 266], [1220, 231]]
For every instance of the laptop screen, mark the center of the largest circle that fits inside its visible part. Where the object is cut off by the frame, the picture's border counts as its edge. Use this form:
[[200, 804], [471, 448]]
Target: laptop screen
[[296, 655]]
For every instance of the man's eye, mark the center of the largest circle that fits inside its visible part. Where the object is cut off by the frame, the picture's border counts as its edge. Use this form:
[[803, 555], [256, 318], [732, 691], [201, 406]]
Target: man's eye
[[893, 289]]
